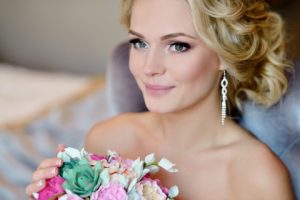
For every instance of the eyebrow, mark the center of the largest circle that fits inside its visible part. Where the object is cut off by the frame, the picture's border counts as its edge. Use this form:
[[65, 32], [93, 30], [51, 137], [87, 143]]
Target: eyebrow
[[165, 37]]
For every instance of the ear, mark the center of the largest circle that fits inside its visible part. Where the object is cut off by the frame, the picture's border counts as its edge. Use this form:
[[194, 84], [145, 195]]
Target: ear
[[222, 65]]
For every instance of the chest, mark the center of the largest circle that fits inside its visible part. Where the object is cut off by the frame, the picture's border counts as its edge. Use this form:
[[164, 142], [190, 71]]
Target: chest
[[201, 175], [206, 176], [198, 180]]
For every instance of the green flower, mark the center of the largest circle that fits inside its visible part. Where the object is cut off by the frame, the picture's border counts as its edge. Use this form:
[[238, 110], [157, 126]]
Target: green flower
[[67, 166], [80, 177]]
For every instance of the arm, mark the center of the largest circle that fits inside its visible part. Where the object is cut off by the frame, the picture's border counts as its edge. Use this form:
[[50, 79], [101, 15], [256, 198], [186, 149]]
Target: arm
[[262, 176], [116, 134]]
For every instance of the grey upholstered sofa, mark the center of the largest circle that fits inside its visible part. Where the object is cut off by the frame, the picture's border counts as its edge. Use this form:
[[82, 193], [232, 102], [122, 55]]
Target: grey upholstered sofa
[[278, 127]]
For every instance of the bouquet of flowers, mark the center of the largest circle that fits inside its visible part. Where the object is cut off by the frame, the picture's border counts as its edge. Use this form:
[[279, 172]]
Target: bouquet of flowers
[[87, 176]]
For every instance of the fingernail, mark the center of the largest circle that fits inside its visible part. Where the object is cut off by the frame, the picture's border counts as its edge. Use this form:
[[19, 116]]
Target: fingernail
[[53, 171], [39, 183]]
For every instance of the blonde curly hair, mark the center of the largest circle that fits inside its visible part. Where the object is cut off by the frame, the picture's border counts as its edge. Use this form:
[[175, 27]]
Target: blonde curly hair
[[250, 41]]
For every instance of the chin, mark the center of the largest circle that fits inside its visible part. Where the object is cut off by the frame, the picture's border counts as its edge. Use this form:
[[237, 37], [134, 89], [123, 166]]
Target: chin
[[157, 106], [161, 106]]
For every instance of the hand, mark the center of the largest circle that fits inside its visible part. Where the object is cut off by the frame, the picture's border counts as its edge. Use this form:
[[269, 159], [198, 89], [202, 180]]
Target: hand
[[47, 169]]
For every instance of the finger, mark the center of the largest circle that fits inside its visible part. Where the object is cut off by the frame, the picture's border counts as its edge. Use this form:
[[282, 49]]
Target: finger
[[60, 147], [31, 198], [44, 173], [35, 187], [50, 162]]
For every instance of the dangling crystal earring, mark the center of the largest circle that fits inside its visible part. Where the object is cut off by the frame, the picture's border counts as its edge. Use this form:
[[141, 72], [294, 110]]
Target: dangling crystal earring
[[224, 84]]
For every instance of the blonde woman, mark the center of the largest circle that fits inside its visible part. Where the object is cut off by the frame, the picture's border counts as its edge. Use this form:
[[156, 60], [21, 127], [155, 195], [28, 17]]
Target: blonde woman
[[193, 60]]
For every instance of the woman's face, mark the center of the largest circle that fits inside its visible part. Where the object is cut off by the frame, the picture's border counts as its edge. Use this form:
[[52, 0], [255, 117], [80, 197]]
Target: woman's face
[[171, 64]]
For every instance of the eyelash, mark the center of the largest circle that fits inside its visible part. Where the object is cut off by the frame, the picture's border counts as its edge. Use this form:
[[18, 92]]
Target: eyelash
[[185, 45], [134, 42]]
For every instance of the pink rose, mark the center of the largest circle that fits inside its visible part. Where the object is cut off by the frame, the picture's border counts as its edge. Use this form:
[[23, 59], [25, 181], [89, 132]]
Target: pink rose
[[151, 189], [112, 191], [97, 157], [94, 159], [53, 188]]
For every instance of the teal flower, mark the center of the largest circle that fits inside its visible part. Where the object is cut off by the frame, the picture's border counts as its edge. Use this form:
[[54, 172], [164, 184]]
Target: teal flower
[[80, 178], [68, 166]]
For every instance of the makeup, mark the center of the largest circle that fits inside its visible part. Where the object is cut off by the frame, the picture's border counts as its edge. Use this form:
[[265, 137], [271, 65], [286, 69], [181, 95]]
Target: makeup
[[158, 90]]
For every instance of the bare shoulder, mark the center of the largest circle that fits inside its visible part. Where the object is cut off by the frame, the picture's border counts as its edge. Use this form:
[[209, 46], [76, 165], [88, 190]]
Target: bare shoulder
[[118, 133], [257, 173]]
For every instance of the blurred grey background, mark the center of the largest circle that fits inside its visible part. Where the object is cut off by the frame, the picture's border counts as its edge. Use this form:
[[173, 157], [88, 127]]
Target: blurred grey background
[[78, 35], [68, 35]]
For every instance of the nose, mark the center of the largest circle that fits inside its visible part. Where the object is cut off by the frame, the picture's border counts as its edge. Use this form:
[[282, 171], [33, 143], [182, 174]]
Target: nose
[[154, 63]]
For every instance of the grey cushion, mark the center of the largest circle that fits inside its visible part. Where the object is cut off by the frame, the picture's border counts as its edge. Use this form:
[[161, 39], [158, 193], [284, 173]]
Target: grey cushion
[[278, 127], [123, 94]]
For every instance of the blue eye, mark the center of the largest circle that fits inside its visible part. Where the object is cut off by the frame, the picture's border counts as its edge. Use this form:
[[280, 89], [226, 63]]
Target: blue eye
[[180, 47], [138, 44]]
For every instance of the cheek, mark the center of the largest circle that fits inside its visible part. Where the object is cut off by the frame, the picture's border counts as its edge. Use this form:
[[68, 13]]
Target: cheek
[[132, 63], [197, 70], [135, 63]]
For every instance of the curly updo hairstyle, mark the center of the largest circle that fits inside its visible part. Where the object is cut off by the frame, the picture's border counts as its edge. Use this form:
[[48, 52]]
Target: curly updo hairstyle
[[250, 41]]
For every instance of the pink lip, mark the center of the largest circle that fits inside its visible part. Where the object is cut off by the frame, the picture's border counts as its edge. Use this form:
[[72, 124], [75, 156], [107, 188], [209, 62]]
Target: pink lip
[[158, 90]]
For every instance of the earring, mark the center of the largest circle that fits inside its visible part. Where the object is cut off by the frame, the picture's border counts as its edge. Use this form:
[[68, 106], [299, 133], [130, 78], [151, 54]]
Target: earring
[[224, 84]]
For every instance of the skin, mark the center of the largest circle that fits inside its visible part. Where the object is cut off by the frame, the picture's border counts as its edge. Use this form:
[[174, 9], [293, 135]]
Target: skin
[[214, 161]]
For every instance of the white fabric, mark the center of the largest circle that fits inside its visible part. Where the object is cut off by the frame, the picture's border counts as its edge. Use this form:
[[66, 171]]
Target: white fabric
[[26, 93]]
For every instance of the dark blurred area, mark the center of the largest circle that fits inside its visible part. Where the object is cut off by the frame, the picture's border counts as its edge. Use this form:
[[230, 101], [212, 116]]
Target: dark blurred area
[[290, 11]]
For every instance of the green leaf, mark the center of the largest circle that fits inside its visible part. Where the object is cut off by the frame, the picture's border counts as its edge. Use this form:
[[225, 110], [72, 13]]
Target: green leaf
[[69, 153], [149, 159], [132, 184], [104, 176], [138, 167], [122, 179], [167, 165], [173, 191], [153, 169], [145, 171]]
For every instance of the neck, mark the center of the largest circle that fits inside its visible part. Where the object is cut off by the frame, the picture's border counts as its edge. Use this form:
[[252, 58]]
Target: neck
[[196, 127]]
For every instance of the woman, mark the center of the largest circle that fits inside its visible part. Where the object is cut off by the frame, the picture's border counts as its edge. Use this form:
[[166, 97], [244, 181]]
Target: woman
[[180, 52]]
